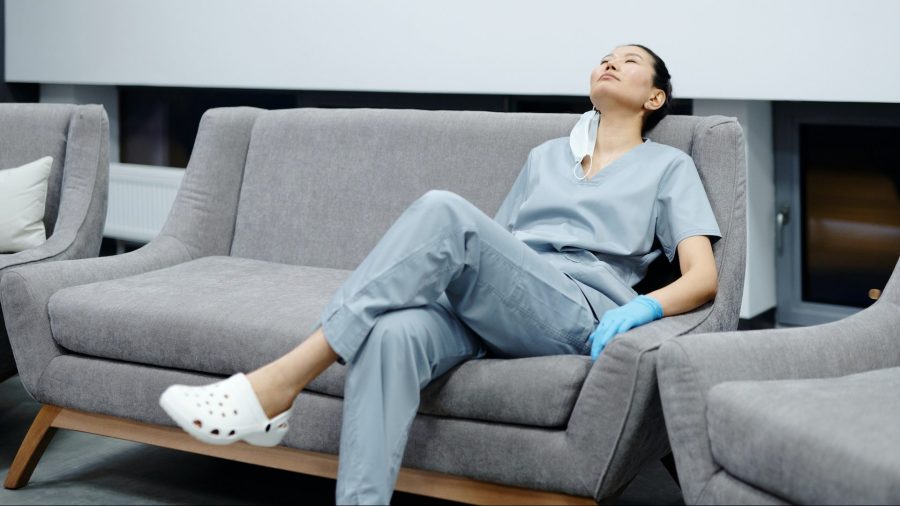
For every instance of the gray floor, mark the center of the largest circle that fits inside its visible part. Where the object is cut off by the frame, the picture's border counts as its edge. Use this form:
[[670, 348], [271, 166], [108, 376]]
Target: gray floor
[[86, 469]]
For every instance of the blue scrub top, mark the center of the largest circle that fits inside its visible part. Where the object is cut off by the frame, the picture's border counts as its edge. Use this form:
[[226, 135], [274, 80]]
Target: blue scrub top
[[601, 231]]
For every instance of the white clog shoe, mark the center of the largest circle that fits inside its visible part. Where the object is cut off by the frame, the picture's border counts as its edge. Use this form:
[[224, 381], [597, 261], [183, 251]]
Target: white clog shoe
[[224, 412]]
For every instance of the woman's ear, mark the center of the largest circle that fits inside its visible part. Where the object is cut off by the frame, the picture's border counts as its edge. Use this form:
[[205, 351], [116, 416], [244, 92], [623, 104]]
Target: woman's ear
[[656, 100]]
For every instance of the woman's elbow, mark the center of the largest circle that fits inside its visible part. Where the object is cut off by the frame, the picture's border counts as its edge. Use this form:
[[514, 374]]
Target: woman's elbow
[[712, 286], [706, 283]]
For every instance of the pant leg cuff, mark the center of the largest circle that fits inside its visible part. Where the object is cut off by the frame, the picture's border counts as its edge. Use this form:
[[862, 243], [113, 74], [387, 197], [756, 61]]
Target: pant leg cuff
[[345, 332]]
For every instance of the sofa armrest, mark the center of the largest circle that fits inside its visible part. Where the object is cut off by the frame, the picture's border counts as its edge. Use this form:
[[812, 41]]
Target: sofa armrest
[[205, 208], [55, 248], [83, 196], [688, 367], [25, 291], [617, 420]]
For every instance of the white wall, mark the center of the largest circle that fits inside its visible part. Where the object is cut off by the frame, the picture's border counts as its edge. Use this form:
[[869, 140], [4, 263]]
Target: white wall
[[828, 50]]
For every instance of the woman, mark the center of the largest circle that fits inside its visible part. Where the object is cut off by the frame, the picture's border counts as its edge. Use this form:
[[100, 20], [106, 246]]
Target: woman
[[447, 284]]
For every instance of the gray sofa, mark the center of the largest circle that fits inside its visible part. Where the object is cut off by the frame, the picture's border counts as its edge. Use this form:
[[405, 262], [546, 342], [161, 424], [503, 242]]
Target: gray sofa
[[77, 137], [804, 415], [274, 211]]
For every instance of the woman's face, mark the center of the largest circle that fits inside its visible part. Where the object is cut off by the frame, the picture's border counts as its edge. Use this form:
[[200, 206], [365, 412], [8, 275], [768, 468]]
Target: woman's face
[[625, 77]]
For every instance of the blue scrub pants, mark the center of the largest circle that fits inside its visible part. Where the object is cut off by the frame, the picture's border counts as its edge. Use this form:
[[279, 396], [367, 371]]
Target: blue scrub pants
[[445, 284]]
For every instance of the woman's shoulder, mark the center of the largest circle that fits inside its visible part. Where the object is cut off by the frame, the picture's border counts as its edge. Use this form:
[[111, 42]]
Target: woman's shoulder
[[551, 152], [669, 160], [667, 152], [556, 146]]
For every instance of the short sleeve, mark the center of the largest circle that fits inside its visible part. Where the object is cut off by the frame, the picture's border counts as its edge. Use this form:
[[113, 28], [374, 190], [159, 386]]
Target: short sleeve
[[509, 209], [683, 208]]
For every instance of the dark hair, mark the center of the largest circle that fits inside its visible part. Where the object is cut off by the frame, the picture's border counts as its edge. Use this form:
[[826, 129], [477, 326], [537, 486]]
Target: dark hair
[[663, 81]]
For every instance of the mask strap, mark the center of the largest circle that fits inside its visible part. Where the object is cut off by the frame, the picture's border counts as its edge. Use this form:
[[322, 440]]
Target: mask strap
[[583, 173]]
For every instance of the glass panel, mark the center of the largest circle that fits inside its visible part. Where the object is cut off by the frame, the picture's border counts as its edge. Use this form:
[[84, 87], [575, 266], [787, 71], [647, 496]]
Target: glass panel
[[851, 211]]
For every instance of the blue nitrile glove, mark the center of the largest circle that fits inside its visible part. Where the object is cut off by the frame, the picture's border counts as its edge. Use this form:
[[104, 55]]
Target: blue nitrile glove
[[642, 309]]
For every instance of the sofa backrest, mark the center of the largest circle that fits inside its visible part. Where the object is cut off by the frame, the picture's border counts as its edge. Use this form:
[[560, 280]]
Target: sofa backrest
[[32, 131], [321, 186]]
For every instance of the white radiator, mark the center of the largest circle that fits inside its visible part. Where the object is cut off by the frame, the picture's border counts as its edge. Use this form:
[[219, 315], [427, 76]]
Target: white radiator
[[140, 197]]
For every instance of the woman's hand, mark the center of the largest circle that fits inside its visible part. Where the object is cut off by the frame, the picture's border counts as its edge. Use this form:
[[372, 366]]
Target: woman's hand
[[696, 286], [641, 310]]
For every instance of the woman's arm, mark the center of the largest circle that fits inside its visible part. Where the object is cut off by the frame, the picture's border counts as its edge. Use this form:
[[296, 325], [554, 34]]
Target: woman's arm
[[698, 282], [697, 285]]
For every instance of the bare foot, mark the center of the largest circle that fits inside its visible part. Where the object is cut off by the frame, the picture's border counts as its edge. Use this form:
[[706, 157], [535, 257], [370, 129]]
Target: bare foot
[[274, 396]]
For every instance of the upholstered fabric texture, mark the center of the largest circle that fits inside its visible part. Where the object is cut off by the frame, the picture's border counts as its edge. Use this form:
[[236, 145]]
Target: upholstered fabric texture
[[224, 315], [203, 214], [690, 366], [217, 315], [25, 294], [322, 186], [31, 131], [726, 489], [201, 222], [480, 450], [814, 441], [77, 139]]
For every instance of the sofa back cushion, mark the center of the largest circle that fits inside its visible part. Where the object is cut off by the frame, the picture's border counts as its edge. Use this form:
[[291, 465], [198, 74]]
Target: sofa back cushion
[[321, 186], [32, 131]]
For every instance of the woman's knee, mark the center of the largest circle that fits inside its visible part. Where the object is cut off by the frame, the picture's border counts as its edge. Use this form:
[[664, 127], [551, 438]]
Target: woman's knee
[[393, 333], [439, 197], [444, 204]]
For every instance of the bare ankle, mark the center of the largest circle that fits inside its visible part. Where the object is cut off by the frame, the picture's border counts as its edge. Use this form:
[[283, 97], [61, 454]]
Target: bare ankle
[[273, 395]]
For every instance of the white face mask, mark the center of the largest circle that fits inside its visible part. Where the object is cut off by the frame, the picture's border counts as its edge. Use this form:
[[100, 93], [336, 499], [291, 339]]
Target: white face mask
[[582, 140]]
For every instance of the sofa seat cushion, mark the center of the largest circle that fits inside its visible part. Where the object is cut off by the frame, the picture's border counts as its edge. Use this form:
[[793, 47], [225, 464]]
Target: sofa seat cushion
[[817, 441], [221, 315], [215, 315]]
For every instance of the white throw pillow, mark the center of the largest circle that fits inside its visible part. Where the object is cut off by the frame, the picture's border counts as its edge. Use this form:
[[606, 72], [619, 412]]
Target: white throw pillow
[[23, 192]]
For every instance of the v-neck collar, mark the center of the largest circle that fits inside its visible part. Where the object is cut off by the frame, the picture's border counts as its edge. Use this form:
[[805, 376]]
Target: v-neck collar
[[613, 166], [581, 143]]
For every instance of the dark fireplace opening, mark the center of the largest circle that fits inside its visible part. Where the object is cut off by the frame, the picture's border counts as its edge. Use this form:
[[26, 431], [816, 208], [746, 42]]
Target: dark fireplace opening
[[850, 211]]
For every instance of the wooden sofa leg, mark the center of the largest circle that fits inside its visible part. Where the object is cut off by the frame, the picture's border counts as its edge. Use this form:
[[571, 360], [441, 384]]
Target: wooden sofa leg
[[36, 441]]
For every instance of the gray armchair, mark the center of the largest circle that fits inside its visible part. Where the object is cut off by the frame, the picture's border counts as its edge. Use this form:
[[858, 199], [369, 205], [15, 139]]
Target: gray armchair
[[77, 137], [804, 415]]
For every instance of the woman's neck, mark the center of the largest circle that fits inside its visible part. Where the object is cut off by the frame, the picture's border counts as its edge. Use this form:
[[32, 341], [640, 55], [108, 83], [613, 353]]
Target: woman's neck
[[617, 133]]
